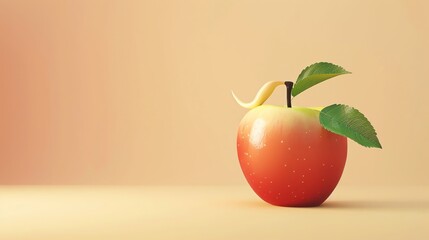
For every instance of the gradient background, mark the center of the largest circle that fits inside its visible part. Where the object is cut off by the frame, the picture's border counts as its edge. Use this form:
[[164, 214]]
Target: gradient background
[[138, 92]]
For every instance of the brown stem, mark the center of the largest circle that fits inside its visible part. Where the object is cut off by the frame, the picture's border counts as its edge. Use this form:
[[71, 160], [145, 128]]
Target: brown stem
[[289, 93]]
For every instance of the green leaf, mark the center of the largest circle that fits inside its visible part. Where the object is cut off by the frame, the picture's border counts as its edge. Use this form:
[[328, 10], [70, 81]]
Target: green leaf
[[349, 122], [315, 74]]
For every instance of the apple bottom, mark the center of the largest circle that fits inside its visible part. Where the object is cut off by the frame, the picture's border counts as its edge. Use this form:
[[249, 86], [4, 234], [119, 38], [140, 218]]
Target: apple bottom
[[290, 163], [283, 178]]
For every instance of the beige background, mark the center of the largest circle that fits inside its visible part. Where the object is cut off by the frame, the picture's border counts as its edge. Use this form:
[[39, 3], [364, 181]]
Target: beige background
[[208, 212], [138, 92]]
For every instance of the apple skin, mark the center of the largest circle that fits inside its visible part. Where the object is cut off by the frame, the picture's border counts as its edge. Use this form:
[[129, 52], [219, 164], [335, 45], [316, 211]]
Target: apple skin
[[287, 157]]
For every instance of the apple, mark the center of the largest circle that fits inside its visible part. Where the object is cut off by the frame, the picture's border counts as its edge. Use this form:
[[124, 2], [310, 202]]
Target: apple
[[295, 156], [287, 157]]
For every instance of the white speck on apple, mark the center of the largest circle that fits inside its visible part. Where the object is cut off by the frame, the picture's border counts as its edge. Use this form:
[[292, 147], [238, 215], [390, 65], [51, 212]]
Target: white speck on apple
[[288, 148], [281, 141]]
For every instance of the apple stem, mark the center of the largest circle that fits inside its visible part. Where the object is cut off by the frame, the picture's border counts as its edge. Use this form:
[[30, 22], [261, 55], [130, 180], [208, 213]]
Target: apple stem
[[289, 85]]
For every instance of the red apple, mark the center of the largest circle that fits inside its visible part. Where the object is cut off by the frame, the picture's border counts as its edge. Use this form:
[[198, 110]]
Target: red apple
[[295, 156], [287, 157]]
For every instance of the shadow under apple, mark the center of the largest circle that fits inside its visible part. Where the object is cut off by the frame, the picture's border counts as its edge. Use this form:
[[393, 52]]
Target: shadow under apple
[[347, 205]]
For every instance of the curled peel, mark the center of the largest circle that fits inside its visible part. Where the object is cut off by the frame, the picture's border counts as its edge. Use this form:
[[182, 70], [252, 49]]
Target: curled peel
[[263, 94]]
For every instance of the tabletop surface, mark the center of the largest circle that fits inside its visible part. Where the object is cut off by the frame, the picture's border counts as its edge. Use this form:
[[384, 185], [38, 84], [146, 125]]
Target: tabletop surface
[[208, 212]]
